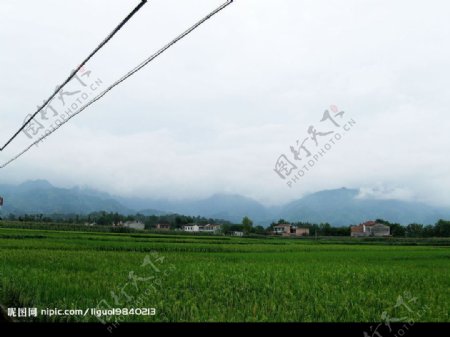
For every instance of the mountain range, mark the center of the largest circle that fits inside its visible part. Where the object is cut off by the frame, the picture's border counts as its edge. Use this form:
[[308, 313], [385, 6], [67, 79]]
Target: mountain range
[[339, 207]]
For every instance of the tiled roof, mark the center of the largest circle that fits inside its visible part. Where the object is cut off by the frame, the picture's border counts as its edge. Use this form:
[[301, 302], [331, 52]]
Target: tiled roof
[[369, 223], [358, 228]]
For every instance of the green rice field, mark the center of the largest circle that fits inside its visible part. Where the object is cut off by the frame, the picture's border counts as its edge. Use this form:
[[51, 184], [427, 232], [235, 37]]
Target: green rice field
[[188, 278]]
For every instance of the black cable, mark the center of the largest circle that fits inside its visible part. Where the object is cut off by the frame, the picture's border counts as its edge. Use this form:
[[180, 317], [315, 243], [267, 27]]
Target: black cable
[[72, 75], [123, 78]]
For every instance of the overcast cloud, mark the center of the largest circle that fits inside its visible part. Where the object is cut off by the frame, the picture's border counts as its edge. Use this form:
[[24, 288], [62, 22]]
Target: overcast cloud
[[214, 113]]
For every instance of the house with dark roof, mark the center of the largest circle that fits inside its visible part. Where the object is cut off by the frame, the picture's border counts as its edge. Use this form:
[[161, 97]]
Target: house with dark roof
[[290, 230], [163, 226], [370, 228]]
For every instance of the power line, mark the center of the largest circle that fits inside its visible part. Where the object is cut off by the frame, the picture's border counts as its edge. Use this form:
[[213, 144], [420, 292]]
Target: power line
[[123, 78], [72, 75]]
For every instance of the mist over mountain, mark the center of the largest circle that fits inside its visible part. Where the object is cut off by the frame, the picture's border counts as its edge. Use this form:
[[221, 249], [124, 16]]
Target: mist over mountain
[[340, 207]]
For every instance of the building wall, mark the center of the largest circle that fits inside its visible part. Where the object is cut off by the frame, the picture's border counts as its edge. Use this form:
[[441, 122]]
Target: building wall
[[302, 232], [375, 230], [135, 225], [291, 230], [359, 234], [284, 230], [380, 230], [163, 227], [193, 228], [196, 228]]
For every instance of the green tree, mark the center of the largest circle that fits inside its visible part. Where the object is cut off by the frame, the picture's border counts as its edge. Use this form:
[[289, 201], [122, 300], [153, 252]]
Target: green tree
[[397, 230], [225, 229], [247, 224], [429, 231], [325, 229], [442, 228], [259, 230], [414, 230]]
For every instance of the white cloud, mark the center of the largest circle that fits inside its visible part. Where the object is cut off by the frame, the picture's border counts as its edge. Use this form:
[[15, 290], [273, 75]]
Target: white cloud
[[385, 193], [215, 112]]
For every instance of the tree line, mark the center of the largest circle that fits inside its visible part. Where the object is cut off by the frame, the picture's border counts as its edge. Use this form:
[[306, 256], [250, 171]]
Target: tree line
[[176, 221], [440, 229], [414, 230]]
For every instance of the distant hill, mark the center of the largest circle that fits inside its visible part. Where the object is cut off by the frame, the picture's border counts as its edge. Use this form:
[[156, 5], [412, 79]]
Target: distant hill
[[219, 206], [343, 207], [35, 197], [339, 207], [226, 206]]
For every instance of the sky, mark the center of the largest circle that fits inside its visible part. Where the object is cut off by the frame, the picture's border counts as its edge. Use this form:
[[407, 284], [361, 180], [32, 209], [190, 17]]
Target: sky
[[215, 113]]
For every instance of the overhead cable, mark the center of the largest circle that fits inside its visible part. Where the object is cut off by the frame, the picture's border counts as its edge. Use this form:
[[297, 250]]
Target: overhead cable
[[122, 79], [73, 73]]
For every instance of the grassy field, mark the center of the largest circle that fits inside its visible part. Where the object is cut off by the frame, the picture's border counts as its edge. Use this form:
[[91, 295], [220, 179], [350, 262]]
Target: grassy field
[[224, 279]]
